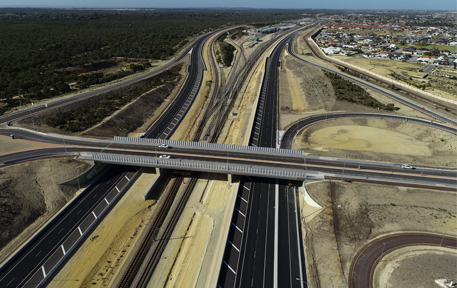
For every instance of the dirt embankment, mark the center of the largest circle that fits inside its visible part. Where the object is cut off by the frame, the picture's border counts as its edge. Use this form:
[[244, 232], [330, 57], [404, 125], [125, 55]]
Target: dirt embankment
[[30, 196], [353, 214], [385, 140]]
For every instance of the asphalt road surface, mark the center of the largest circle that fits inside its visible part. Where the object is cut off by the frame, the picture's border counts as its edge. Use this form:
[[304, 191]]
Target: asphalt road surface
[[28, 260], [366, 259], [17, 272]]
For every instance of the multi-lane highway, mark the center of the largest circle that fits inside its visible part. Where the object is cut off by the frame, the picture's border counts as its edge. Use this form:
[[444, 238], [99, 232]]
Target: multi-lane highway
[[269, 254], [260, 253], [20, 268]]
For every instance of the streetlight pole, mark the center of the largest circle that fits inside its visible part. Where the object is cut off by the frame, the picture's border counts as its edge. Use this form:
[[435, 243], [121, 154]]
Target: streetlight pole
[[383, 246], [65, 146], [31, 116], [443, 237], [342, 175], [77, 177], [304, 282]]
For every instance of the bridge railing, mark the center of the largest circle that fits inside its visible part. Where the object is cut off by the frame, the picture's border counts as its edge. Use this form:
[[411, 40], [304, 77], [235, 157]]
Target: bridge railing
[[203, 145], [204, 166]]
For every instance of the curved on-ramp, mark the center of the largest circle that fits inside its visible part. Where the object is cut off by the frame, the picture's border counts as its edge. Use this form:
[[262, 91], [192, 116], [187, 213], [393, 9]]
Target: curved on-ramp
[[362, 267], [292, 130]]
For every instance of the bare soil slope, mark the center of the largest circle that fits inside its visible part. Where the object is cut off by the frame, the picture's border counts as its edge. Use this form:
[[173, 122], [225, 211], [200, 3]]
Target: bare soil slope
[[30, 196]]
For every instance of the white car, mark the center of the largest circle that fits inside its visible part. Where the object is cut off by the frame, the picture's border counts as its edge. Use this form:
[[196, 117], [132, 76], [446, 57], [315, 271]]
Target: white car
[[406, 166], [164, 156], [164, 146]]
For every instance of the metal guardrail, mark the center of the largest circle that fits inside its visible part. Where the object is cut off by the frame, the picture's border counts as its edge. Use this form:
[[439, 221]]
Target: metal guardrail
[[212, 146], [204, 166]]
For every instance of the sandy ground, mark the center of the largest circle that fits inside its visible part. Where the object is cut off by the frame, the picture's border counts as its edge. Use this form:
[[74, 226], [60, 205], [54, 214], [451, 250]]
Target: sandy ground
[[237, 129], [194, 254], [9, 145], [380, 140], [353, 214], [97, 261], [31, 196], [416, 266]]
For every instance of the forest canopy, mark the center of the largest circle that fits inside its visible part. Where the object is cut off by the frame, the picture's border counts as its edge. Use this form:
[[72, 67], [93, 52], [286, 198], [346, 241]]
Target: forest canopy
[[39, 45]]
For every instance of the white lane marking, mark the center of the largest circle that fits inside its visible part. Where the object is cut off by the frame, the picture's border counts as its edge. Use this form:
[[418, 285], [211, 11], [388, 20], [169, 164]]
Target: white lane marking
[[234, 246], [243, 199], [237, 227], [245, 188], [10, 281], [80, 232], [127, 178], [288, 235], [63, 249], [298, 242], [230, 267], [106, 201], [275, 270], [266, 234], [44, 272], [93, 213], [117, 189], [240, 212]]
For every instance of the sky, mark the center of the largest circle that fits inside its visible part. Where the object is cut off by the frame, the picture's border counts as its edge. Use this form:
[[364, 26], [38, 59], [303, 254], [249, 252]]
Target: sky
[[450, 5]]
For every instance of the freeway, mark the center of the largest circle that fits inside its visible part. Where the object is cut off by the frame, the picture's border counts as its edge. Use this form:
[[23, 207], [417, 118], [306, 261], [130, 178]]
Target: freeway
[[288, 259], [364, 262], [30, 259], [270, 257], [18, 271]]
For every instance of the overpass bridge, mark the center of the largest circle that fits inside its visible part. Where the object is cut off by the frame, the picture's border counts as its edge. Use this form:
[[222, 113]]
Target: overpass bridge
[[217, 164], [257, 161]]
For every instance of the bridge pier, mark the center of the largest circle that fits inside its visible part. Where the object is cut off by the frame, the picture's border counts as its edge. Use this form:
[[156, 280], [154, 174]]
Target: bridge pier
[[158, 171], [229, 179]]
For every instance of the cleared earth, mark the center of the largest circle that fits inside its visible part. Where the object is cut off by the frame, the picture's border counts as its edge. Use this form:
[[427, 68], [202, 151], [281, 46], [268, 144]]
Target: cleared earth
[[380, 140], [416, 266], [354, 214], [30, 196]]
